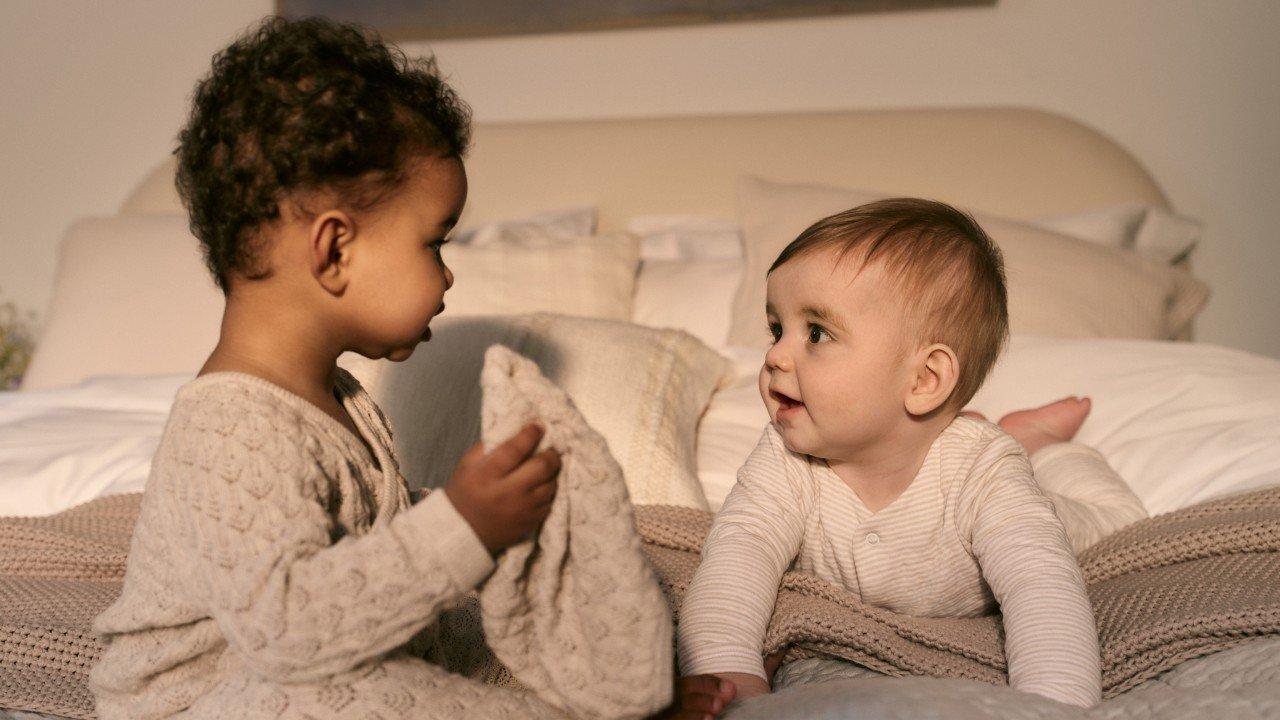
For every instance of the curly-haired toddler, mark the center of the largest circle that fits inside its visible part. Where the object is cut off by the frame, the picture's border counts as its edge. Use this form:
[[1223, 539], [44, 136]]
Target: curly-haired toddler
[[278, 567]]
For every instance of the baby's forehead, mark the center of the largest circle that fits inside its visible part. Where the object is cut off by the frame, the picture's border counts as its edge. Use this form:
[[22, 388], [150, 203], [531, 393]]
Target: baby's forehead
[[827, 275]]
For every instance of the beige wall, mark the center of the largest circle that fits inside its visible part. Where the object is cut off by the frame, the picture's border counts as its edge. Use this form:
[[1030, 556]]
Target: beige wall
[[94, 92]]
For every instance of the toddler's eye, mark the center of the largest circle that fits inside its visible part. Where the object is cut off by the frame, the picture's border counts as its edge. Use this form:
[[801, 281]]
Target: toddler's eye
[[816, 333], [775, 331]]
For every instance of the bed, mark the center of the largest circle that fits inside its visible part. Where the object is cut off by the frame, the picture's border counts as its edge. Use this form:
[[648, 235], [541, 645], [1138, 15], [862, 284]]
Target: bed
[[643, 231]]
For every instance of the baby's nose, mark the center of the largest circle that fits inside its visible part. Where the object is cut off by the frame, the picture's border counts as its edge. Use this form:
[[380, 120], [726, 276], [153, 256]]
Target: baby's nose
[[777, 359]]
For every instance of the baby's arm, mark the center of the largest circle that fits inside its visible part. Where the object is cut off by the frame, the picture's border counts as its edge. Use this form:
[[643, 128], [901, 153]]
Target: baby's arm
[[294, 604], [1051, 641], [726, 611]]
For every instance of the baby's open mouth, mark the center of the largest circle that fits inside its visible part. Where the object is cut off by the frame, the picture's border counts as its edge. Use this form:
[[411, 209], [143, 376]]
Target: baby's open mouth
[[785, 402]]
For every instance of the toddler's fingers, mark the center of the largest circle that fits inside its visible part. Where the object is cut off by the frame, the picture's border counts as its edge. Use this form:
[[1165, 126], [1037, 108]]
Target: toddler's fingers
[[543, 493], [536, 470], [473, 455], [511, 453], [709, 684], [696, 703]]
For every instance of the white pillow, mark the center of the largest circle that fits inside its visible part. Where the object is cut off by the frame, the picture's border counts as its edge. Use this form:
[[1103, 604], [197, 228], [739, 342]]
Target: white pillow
[[132, 295], [1058, 285], [587, 276], [686, 237], [644, 390], [678, 287], [570, 222], [690, 295], [1181, 422], [1145, 229]]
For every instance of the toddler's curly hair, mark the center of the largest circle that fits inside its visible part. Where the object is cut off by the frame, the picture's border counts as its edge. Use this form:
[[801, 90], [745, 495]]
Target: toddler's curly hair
[[295, 107]]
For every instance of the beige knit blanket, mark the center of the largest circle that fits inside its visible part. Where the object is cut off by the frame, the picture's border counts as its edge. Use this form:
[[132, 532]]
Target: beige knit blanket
[[1165, 590]]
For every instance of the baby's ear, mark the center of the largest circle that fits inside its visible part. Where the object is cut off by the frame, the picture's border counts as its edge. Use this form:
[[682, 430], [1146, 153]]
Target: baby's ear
[[937, 370], [329, 241]]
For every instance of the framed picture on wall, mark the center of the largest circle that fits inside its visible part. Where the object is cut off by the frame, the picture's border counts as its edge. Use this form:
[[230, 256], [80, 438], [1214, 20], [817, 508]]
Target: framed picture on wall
[[443, 19]]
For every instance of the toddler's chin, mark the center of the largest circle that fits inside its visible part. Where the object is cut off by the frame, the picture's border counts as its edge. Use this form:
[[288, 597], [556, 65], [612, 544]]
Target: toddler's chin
[[401, 354]]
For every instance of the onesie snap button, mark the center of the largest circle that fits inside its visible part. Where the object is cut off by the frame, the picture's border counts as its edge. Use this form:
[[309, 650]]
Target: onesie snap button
[[872, 538]]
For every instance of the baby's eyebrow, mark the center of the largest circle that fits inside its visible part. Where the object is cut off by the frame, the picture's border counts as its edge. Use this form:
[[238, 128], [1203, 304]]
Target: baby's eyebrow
[[823, 314]]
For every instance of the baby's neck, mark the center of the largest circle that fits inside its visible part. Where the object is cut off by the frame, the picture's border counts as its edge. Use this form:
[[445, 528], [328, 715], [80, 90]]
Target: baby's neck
[[881, 473]]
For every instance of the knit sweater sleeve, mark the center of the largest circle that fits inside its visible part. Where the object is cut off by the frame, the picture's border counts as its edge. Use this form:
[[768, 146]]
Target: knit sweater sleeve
[[1051, 642], [754, 539], [293, 599]]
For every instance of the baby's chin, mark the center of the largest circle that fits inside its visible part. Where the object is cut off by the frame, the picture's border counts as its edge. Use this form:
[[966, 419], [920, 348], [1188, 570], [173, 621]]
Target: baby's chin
[[795, 442]]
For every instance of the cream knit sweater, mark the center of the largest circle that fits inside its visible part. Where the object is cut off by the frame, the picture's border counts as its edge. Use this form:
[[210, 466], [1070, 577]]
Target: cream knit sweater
[[278, 569]]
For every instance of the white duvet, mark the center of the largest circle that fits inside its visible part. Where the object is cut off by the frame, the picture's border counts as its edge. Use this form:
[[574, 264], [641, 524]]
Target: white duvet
[[62, 447], [1181, 422]]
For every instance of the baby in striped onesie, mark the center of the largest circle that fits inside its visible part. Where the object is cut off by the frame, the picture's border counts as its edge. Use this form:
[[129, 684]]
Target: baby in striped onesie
[[885, 320]]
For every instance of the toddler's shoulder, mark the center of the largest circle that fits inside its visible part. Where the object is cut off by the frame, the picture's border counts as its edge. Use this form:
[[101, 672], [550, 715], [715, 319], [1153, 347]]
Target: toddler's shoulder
[[237, 405], [233, 425]]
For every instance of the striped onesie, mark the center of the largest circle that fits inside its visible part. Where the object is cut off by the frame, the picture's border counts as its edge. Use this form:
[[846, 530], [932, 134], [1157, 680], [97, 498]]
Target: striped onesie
[[972, 533]]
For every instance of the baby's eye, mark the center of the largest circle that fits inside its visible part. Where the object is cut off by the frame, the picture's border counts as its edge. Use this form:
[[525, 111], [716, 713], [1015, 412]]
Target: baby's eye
[[817, 332], [438, 245], [775, 331]]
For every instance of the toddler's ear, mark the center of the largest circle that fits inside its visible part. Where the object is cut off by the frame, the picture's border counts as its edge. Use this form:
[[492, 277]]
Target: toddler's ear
[[937, 370], [329, 249]]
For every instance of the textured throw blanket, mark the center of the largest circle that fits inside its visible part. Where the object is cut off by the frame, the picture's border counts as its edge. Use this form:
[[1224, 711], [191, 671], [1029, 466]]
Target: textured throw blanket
[[1165, 590]]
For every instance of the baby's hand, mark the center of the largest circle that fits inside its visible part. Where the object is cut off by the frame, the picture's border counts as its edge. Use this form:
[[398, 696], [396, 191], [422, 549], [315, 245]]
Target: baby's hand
[[698, 697], [506, 494]]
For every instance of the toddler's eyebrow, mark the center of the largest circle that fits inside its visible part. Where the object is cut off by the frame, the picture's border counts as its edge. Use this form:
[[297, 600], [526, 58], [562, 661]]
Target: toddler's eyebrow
[[822, 314]]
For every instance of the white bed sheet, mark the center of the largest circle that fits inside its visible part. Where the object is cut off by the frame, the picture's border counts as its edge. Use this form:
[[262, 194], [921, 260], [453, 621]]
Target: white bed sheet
[[1180, 422], [65, 446]]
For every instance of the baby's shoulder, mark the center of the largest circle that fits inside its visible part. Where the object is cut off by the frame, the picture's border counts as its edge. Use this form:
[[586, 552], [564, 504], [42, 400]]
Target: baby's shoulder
[[970, 450], [774, 470], [973, 438]]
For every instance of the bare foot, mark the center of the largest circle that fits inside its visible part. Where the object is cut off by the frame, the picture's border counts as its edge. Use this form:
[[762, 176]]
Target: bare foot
[[1053, 423]]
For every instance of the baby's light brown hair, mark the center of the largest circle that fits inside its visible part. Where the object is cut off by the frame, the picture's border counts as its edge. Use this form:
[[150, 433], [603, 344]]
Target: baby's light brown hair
[[950, 272]]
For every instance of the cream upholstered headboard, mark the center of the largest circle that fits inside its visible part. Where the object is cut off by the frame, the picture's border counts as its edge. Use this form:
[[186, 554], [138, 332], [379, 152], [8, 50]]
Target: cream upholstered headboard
[[1014, 162]]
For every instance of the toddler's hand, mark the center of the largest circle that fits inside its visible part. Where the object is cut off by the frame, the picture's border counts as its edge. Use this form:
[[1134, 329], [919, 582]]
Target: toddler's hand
[[698, 697], [746, 684], [506, 494]]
